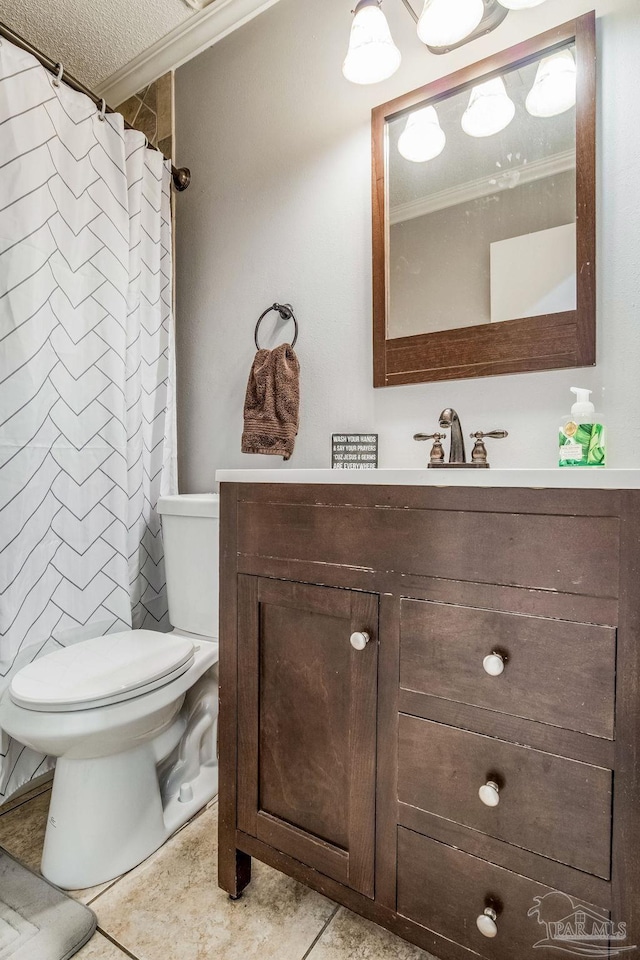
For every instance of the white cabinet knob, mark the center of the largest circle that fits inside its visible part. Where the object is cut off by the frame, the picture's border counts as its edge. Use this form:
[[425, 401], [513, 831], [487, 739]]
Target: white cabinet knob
[[493, 664], [486, 923], [489, 793], [359, 640]]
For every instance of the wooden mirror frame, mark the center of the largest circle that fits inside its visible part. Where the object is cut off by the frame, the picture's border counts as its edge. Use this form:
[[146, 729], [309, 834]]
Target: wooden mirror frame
[[548, 342]]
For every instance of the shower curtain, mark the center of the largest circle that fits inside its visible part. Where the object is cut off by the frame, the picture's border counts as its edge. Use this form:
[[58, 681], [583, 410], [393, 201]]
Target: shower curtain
[[87, 426]]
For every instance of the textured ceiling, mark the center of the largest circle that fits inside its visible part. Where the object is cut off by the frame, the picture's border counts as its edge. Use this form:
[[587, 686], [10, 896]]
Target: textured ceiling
[[93, 38]]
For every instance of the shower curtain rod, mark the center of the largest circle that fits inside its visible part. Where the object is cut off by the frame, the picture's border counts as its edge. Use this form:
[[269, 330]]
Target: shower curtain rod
[[181, 175]]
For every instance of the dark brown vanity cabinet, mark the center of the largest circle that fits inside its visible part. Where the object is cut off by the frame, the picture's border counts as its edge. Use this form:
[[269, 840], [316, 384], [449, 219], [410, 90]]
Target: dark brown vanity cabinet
[[429, 709], [307, 724]]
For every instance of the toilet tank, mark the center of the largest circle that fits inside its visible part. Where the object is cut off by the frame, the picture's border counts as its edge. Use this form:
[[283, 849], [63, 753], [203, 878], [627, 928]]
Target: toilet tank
[[190, 528]]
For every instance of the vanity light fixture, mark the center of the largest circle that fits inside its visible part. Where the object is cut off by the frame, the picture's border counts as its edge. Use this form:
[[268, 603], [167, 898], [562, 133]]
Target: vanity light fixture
[[554, 90], [372, 54], [490, 109], [444, 23], [423, 138]]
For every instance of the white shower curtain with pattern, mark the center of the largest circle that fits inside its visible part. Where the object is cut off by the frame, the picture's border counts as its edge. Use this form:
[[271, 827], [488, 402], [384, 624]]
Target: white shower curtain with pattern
[[87, 425]]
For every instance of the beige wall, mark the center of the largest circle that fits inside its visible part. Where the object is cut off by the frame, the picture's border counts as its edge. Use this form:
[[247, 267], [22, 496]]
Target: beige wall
[[279, 147]]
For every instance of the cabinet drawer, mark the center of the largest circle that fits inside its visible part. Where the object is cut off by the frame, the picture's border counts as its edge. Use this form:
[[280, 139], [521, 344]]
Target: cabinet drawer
[[555, 671], [569, 554], [446, 890], [547, 804]]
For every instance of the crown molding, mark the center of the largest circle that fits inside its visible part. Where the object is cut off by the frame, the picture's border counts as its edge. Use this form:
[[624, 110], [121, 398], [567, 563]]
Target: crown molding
[[483, 187], [186, 41]]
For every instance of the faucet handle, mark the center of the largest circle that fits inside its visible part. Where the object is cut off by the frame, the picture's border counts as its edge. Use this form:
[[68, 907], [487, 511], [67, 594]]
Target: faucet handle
[[437, 450], [495, 434], [479, 452]]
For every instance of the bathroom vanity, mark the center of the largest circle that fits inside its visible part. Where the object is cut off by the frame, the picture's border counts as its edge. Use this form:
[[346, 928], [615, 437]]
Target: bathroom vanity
[[429, 699]]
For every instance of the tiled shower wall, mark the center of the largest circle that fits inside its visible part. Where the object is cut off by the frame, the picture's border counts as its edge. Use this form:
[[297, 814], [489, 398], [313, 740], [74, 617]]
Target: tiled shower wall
[[151, 111]]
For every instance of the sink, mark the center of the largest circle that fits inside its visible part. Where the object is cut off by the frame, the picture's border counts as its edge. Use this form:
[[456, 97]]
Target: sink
[[583, 478]]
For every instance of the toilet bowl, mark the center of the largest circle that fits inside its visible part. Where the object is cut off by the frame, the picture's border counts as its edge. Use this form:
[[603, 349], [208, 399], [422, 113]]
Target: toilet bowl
[[131, 718]]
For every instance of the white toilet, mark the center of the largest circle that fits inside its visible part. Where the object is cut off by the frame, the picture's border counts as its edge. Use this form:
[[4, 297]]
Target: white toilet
[[131, 717]]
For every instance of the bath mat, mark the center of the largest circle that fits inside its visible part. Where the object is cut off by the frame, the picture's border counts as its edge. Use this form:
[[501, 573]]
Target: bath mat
[[38, 921]]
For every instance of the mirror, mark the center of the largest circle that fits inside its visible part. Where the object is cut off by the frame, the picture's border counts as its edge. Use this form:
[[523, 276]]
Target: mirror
[[485, 231], [481, 263]]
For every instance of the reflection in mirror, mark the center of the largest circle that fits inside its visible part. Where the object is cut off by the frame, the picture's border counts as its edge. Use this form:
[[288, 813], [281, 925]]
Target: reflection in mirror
[[481, 189]]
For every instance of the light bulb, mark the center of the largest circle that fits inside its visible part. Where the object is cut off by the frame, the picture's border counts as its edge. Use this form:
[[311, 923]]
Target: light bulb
[[554, 90], [444, 23], [490, 110], [520, 4], [372, 54], [423, 138]]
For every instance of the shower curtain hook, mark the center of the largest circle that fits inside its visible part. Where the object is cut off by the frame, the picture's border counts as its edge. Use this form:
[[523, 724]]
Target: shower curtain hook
[[103, 109], [56, 80]]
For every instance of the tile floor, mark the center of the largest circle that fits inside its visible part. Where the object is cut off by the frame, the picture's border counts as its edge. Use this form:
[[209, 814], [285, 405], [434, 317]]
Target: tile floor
[[170, 907]]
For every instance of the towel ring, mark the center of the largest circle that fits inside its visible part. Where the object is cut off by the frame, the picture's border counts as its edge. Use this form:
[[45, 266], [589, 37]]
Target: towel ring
[[286, 313]]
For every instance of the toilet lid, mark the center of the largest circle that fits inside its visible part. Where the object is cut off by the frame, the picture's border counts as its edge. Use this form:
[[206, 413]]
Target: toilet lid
[[102, 669]]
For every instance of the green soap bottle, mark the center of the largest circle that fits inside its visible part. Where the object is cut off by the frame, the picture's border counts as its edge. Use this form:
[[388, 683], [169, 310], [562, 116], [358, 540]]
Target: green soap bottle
[[582, 434]]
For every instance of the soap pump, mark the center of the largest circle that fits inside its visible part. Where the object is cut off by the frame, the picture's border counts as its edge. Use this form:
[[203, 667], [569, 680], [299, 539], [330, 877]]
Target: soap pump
[[582, 439]]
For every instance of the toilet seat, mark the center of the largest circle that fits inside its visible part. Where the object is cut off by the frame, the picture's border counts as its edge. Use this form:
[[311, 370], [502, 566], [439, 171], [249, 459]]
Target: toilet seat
[[102, 671]]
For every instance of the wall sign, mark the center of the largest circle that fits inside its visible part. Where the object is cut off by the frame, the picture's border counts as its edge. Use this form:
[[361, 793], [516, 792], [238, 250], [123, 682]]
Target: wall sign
[[354, 451]]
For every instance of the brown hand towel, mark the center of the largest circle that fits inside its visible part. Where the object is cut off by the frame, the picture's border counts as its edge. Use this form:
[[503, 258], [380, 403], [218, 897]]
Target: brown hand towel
[[271, 403]]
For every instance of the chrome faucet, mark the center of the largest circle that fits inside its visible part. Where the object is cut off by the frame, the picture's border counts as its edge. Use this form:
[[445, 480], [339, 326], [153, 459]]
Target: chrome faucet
[[450, 419]]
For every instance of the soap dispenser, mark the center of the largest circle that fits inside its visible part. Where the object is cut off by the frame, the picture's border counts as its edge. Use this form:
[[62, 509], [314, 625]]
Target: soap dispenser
[[582, 436]]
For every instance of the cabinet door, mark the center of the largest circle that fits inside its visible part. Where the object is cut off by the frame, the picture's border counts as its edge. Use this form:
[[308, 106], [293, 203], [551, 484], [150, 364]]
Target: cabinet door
[[307, 725]]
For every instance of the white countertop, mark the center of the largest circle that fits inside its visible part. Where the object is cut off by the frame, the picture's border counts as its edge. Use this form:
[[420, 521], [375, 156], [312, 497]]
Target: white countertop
[[581, 478]]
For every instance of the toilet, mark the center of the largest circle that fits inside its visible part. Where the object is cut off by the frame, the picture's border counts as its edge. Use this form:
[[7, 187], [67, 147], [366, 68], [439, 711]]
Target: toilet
[[131, 717]]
